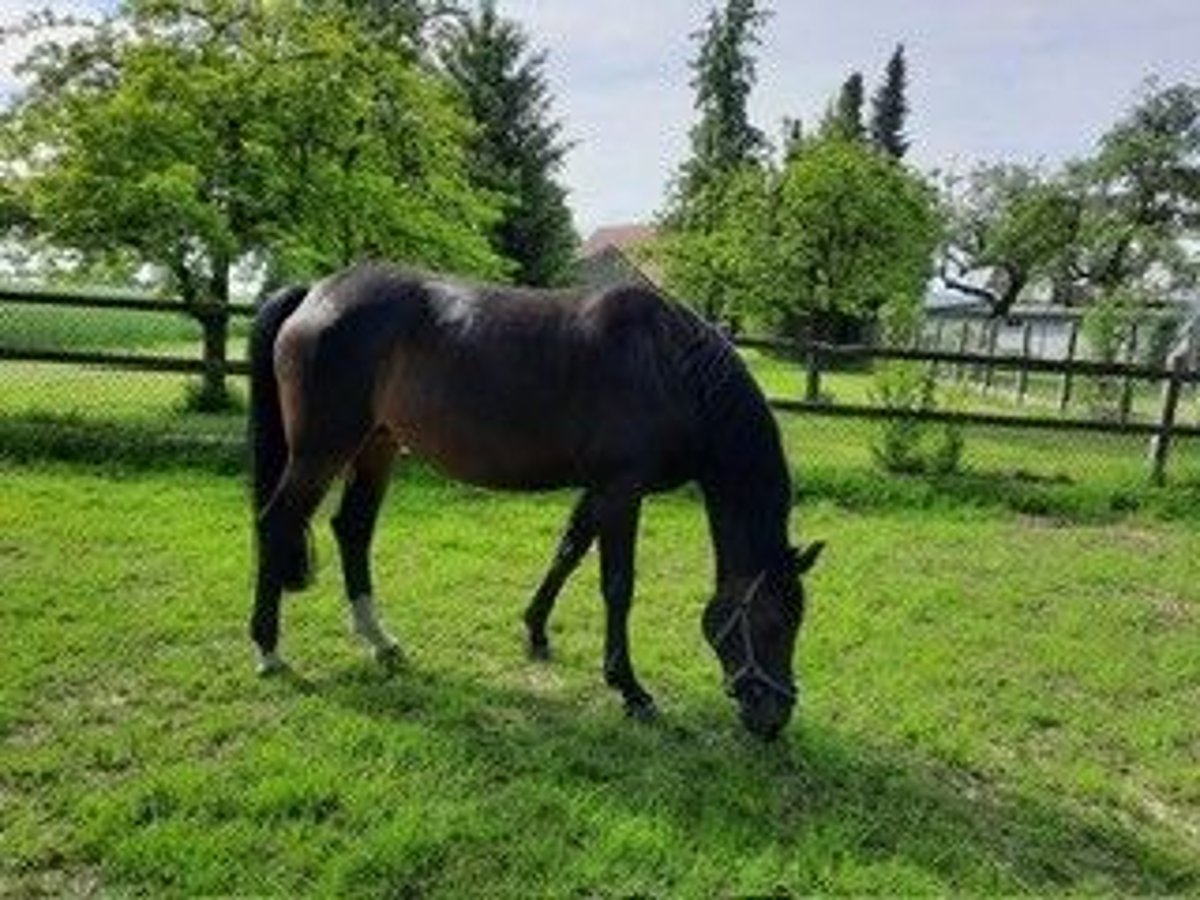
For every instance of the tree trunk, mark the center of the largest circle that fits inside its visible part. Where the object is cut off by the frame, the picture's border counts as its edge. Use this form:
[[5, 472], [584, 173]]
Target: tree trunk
[[214, 320], [214, 392]]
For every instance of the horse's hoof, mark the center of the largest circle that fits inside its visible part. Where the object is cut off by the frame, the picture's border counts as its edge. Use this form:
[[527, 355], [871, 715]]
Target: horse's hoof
[[271, 666], [391, 658], [641, 710], [539, 651]]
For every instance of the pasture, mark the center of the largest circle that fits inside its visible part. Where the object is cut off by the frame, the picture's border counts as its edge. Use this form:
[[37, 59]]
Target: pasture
[[993, 702], [999, 676]]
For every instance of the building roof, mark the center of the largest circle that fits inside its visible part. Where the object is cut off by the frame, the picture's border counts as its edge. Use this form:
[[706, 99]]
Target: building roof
[[623, 237]]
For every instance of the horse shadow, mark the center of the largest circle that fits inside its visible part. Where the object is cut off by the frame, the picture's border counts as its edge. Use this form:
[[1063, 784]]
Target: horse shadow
[[699, 772]]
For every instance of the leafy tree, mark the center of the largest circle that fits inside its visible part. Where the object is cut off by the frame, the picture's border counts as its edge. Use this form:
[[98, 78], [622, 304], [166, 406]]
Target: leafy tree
[[1139, 199], [518, 149], [844, 119], [853, 232], [1011, 223], [401, 25], [725, 267], [889, 108], [192, 135], [1121, 224]]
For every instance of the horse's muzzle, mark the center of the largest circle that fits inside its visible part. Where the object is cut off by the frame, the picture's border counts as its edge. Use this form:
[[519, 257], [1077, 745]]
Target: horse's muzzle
[[765, 713]]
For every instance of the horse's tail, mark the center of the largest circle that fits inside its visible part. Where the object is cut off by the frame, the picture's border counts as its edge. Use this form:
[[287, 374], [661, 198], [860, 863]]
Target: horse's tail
[[268, 442]]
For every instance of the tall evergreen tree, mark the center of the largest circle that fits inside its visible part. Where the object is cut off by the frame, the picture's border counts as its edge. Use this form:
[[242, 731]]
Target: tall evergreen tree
[[727, 154], [519, 150], [844, 119], [724, 74], [889, 108]]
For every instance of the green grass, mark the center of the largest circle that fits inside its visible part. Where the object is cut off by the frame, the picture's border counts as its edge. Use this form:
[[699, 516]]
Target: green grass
[[56, 327], [993, 703], [64, 328]]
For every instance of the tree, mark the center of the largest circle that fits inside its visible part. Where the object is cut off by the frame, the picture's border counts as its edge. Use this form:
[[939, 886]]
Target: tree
[[702, 199], [724, 75], [518, 149], [1118, 225], [844, 119], [401, 25], [853, 233], [725, 268], [192, 135], [889, 108], [1010, 224], [1139, 199]]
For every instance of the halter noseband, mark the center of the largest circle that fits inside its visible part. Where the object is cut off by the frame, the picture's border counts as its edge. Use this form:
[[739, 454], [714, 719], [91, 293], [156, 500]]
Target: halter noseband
[[750, 669]]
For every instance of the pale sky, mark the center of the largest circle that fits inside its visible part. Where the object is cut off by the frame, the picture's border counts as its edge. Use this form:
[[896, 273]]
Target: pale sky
[[1018, 80]]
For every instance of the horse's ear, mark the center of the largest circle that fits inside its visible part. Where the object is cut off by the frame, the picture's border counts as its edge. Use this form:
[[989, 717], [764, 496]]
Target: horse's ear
[[805, 559]]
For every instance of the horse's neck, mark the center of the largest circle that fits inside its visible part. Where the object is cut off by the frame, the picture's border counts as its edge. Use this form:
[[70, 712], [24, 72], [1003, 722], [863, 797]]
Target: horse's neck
[[747, 493], [744, 477], [748, 528]]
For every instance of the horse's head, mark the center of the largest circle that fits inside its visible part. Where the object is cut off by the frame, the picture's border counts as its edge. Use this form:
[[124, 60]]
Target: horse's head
[[753, 630]]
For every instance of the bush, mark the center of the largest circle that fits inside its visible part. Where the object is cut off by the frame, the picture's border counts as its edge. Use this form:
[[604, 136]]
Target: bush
[[909, 445], [1107, 326]]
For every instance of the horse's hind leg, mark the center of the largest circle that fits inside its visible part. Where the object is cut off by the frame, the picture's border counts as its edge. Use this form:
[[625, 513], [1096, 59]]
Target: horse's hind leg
[[283, 550], [354, 526], [581, 531]]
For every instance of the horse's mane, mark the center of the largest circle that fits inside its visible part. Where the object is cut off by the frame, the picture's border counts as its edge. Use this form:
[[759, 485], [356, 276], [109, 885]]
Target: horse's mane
[[745, 472], [705, 360]]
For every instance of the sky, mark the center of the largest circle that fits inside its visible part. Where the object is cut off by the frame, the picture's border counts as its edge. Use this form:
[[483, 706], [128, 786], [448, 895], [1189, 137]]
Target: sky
[[989, 80]]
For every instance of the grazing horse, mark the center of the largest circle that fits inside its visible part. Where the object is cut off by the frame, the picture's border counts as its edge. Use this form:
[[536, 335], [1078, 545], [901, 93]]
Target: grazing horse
[[619, 392]]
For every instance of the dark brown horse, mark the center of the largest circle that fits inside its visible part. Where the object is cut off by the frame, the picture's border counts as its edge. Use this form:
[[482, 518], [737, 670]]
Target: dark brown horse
[[618, 392]]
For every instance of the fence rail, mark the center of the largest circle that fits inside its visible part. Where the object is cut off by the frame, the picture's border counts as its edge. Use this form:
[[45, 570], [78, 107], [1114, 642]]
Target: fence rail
[[816, 359], [803, 350], [817, 356], [135, 302]]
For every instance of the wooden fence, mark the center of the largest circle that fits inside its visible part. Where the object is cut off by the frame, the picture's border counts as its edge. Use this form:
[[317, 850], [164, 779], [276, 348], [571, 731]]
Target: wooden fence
[[815, 359], [136, 362]]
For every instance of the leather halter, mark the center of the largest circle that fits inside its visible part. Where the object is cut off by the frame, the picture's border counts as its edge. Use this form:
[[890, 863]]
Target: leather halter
[[751, 669]]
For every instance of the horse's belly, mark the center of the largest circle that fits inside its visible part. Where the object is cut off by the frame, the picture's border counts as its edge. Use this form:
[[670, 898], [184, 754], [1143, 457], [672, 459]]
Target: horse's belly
[[524, 426], [483, 447], [488, 460]]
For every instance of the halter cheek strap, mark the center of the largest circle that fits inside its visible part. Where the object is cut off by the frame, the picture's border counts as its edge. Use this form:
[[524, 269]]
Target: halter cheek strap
[[751, 669]]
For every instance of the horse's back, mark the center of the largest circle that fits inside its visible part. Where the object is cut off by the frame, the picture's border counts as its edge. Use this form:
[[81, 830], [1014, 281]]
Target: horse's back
[[495, 385]]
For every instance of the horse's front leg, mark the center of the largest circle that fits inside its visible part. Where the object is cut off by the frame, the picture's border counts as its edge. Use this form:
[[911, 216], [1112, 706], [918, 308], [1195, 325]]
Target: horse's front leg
[[354, 527], [618, 536]]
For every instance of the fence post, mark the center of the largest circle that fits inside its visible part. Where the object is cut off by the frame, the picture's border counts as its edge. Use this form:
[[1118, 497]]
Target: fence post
[[1160, 444], [993, 337], [1026, 352], [1131, 349], [1064, 399], [812, 385], [964, 336]]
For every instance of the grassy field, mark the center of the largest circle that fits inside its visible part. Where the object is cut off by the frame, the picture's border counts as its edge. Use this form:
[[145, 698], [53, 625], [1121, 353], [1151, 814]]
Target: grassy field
[[1000, 677], [993, 703]]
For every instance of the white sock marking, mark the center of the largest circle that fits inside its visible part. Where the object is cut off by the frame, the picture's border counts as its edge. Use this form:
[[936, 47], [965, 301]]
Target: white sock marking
[[365, 624]]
